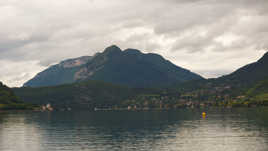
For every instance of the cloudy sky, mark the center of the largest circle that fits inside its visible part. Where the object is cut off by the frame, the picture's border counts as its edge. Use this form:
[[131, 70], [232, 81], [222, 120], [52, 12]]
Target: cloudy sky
[[209, 37]]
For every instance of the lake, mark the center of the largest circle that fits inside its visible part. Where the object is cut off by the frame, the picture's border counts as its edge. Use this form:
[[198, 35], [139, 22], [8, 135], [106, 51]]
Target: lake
[[240, 129]]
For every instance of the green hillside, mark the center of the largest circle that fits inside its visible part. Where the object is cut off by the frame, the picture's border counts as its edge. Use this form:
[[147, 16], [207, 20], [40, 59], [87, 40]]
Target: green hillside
[[82, 95], [259, 93], [8, 100]]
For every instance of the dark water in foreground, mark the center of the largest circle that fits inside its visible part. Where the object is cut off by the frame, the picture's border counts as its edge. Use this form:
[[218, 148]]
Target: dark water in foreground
[[183, 130]]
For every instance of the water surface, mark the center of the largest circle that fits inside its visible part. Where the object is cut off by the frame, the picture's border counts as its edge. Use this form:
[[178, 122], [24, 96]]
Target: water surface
[[182, 130]]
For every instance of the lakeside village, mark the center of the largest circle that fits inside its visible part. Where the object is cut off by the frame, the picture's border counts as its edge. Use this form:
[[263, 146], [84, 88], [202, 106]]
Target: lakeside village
[[170, 100], [202, 98], [156, 102], [48, 107], [133, 105]]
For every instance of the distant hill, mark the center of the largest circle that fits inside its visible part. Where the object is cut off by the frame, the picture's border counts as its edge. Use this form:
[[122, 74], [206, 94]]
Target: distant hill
[[8, 100], [249, 74], [241, 79], [232, 87], [129, 67]]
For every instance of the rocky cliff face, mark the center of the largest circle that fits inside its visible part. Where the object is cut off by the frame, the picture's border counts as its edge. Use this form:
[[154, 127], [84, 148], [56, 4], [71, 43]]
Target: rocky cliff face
[[58, 74], [71, 63]]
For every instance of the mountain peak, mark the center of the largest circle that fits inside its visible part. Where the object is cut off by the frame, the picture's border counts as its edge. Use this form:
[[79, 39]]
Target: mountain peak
[[132, 51], [112, 49]]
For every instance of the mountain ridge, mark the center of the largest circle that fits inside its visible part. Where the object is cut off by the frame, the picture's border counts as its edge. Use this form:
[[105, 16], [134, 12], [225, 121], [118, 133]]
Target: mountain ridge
[[130, 67], [250, 73]]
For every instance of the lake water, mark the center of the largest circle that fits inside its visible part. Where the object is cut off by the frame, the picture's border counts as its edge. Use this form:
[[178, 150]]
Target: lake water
[[182, 130]]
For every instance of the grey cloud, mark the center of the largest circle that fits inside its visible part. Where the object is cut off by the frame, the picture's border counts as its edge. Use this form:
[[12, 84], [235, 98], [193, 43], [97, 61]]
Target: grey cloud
[[9, 44], [50, 31]]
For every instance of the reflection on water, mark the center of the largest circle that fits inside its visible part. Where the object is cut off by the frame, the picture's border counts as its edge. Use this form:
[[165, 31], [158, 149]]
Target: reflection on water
[[184, 130]]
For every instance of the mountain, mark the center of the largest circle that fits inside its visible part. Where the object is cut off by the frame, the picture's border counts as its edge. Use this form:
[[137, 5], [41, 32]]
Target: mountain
[[249, 74], [129, 67], [8, 100], [229, 88], [243, 78], [245, 87]]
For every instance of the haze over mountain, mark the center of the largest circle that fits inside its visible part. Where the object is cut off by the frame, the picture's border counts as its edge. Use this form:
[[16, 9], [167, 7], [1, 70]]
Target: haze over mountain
[[129, 67]]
